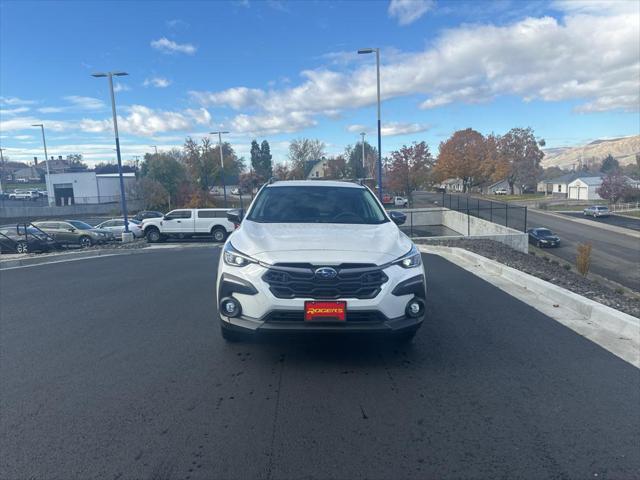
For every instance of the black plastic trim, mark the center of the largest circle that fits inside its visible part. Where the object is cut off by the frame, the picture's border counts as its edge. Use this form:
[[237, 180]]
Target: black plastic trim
[[231, 284], [414, 285]]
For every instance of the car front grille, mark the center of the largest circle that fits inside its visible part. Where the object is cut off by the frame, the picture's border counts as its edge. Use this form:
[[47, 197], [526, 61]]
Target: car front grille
[[291, 316], [360, 281]]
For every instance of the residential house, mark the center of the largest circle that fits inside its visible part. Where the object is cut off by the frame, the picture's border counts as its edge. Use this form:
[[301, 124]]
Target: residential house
[[315, 168], [503, 185], [559, 186], [28, 174], [453, 185], [584, 188]]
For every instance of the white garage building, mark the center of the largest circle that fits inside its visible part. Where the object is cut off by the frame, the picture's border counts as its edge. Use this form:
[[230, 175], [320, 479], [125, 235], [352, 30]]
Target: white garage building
[[88, 187], [584, 188]]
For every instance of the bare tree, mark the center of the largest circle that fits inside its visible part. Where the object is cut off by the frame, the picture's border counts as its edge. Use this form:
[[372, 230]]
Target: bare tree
[[303, 150]]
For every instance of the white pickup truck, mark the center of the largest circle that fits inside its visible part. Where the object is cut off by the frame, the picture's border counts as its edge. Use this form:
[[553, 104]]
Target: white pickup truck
[[189, 222]]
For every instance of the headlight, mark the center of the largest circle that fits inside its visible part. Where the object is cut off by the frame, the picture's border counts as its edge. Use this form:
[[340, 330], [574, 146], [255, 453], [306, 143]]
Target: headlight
[[411, 259], [234, 258]]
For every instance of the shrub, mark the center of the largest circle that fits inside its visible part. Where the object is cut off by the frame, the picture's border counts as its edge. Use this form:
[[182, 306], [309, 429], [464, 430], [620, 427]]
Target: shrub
[[583, 258], [555, 262], [566, 266], [619, 290]]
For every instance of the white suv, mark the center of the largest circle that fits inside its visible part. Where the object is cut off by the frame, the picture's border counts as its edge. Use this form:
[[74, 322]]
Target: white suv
[[319, 256]]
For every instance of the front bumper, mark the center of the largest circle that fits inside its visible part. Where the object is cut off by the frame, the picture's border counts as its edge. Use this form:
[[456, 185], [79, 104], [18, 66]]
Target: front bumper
[[263, 312]]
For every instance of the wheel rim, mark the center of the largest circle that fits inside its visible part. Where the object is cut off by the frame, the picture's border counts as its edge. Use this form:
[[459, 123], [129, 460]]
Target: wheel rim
[[85, 242], [218, 235], [22, 248], [154, 236]]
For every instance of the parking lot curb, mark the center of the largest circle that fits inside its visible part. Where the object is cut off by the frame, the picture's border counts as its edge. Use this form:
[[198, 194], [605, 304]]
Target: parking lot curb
[[70, 256], [603, 226], [616, 331]]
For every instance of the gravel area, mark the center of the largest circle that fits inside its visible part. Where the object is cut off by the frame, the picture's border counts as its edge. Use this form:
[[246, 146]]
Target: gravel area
[[551, 270]]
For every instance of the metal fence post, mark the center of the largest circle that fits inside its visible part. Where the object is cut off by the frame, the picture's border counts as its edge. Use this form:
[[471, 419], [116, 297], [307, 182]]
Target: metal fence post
[[490, 211], [525, 220], [468, 219], [411, 226], [506, 215]]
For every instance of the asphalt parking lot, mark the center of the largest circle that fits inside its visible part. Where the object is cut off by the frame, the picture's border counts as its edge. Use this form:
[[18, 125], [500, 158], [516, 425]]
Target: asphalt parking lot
[[114, 368], [618, 221]]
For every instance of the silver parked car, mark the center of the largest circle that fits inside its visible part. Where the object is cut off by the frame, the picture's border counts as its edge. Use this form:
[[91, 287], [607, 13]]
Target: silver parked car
[[116, 226], [597, 211]]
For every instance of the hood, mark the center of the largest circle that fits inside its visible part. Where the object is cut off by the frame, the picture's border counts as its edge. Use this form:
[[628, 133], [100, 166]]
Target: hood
[[321, 243]]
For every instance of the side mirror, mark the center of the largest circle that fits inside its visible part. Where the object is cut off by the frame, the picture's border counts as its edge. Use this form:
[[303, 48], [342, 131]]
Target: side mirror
[[235, 216], [72, 229], [398, 217], [166, 217]]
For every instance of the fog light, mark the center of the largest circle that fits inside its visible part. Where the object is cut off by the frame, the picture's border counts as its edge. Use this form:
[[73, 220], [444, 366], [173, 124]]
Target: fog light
[[230, 307], [415, 308]]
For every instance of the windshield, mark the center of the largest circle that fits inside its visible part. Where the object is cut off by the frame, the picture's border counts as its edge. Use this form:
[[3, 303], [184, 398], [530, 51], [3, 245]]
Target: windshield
[[543, 232], [317, 204], [80, 225]]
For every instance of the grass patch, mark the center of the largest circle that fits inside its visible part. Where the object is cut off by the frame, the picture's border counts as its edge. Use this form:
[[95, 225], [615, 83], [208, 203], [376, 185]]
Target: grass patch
[[633, 213]]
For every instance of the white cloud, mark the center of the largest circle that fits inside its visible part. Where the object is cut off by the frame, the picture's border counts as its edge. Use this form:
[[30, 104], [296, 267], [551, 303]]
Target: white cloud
[[390, 129], [145, 121], [23, 137], [167, 46], [158, 82], [15, 101], [13, 111], [51, 109], [121, 87], [408, 11], [272, 124], [24, 123], [540, 59], [85, 103]]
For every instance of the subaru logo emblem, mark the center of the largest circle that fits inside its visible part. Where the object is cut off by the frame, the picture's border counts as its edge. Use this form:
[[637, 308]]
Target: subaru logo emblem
[[326, 273]]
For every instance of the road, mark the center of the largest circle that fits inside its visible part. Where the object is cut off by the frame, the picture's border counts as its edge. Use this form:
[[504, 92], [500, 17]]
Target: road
[[614, 255], [618, 221], [114, 368]]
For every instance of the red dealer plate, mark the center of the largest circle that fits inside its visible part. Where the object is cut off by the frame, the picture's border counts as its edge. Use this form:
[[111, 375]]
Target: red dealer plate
[[327, 311]]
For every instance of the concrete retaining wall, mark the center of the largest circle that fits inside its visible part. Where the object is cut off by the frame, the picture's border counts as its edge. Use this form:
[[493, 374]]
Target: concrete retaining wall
[[469, 227]]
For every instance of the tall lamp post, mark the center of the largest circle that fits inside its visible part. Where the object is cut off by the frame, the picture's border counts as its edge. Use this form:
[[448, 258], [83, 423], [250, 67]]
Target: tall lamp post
[[364, 165], [363, 51], [46, 164], [224, 186], [126, 235]]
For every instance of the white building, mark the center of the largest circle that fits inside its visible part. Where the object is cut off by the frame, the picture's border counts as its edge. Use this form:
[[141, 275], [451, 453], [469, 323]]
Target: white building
[[453, 185], [584, 188], [87, 187]]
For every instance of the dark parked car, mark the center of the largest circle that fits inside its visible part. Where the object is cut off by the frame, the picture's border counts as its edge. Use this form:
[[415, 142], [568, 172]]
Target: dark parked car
[[24, 239], [543, 237], [147, 214]]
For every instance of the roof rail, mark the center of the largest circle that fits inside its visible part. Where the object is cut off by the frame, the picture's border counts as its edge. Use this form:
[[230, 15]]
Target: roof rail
[[272, 180]]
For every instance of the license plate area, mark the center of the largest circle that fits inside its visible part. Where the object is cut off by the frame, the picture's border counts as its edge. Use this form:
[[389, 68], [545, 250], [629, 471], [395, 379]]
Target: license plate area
[[325, 311]]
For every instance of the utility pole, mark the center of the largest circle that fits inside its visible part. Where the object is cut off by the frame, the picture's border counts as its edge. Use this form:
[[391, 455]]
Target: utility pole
[[50, 196], [224, 186], [2, 172]]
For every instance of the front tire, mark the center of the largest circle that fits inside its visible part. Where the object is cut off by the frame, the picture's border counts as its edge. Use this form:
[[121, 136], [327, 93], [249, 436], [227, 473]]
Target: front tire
[[153, 235], [539, 244], [85, 241], [22, 247], [218, 234]]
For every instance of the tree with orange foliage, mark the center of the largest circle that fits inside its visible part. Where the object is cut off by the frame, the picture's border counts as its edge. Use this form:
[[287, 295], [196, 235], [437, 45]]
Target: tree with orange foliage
[[463, 156]]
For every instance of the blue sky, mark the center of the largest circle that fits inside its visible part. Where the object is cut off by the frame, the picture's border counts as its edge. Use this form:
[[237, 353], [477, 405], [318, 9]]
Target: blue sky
[[284, 70]]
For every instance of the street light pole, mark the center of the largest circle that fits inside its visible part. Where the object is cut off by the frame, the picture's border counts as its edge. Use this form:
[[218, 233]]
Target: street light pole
[[377, 52], [224, 186], [46, 164], [364, 167], [123, 199]]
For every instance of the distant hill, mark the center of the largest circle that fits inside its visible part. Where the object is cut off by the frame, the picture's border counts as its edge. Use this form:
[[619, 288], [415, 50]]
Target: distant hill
[[622, 149]]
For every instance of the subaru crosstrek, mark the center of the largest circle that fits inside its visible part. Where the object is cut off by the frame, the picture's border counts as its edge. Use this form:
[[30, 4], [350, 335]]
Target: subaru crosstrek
[[319, 256]]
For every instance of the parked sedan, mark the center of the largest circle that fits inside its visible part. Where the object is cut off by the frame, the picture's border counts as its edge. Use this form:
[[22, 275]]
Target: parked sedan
[[543, 237], [116, 227], [597, 211], [140, 216], [14, 239], [74, 232]]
